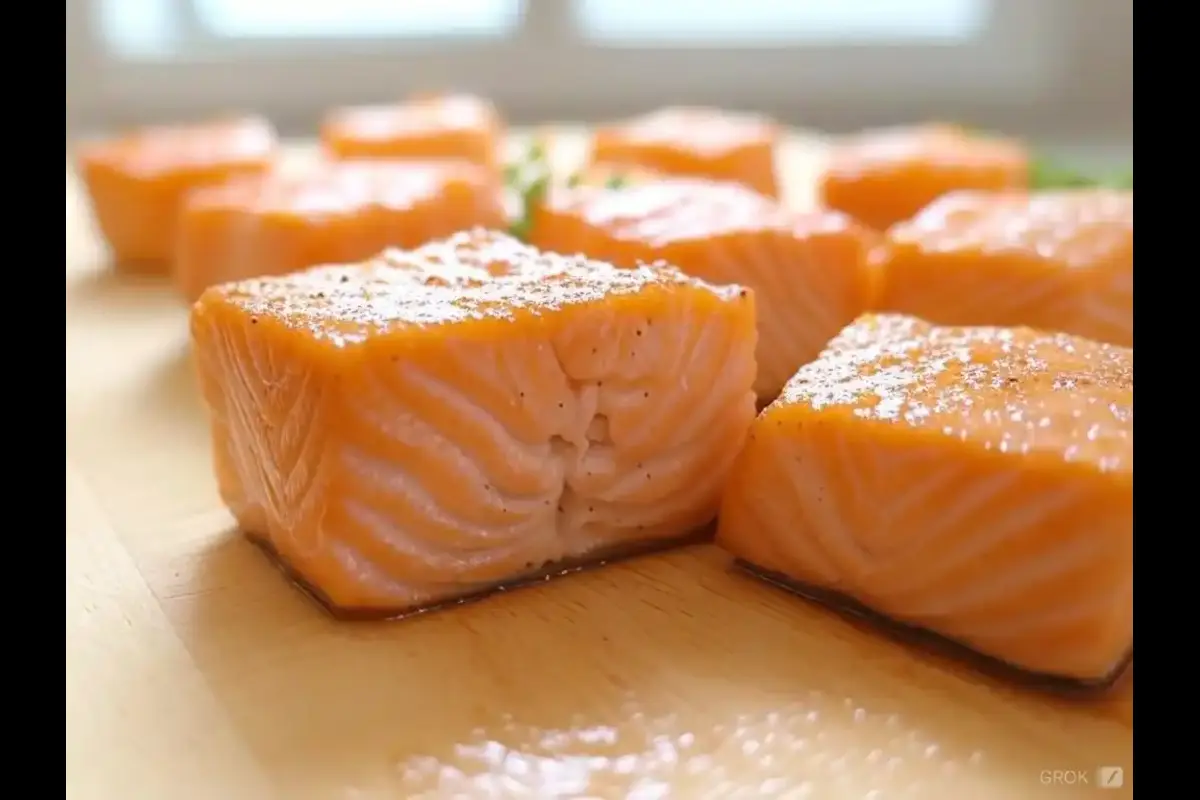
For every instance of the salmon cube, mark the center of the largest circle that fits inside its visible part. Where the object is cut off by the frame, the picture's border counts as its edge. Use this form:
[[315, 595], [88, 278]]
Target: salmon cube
[[811, 272], [976, 483], [883, 177], [430, 126], [435, 423], [327, 213], [695, 142], [1058, 261], [138, 182]]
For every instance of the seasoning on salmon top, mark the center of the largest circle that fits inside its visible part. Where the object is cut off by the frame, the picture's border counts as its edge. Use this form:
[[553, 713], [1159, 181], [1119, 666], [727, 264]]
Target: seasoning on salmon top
[[695, 142], [882, 177], [432, 424], [328, 213], [810, 271], [972, 482], [1053, 260], [426, 126], [138, 182]]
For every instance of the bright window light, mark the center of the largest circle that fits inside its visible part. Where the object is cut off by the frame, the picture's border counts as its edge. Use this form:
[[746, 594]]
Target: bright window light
[[139, 28], [705, 22], [313, 19]]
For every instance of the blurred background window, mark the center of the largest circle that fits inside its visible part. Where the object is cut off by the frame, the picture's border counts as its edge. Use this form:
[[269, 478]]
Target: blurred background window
[[692, 24], [272, 19], [157, 28], [141, 28], [1056, 67]]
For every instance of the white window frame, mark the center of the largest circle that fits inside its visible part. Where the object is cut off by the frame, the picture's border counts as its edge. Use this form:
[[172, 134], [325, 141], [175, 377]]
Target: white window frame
[[548, 68]]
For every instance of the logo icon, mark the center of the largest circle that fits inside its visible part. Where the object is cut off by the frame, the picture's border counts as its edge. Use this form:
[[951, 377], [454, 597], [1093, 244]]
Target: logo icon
[[1110, 777]]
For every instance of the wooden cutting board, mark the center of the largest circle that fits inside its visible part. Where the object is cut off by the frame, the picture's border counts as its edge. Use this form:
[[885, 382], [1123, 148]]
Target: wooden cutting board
[[194, 671]]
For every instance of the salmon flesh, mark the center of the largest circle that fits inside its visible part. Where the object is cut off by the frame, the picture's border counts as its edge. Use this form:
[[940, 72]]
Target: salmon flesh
[[437, 423], [1059, 261], [972, 482], [812, 273]]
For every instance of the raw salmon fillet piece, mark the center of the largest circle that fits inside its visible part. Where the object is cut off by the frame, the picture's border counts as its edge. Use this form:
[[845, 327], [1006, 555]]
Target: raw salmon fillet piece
[[695, 142], [882, 177], [1058, 261], [435, 423], [973, 482], [138, 182], [328, 213], [811, 272], [425, 127]]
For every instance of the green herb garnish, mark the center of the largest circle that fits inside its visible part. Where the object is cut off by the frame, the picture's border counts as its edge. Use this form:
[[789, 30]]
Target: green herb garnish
[[528, 179], [612, 182], [1046, 175], [531, 194]]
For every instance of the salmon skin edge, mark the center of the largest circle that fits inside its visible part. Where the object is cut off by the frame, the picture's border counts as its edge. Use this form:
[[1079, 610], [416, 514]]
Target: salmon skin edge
[[548, 572], [939, 644]]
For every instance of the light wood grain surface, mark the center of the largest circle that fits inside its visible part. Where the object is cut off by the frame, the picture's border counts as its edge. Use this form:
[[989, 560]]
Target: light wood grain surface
[[194, 671]]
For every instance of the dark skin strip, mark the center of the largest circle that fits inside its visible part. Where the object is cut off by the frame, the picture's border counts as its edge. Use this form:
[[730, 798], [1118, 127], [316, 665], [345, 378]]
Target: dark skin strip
[[855, 612], [535, 574]]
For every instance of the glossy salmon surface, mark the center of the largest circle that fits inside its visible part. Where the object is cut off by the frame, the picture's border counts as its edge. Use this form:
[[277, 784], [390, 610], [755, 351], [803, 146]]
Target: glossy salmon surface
[[974, 482], [434, 423], [137, 183], [882, 177], [427, 126], [327, 213], [695, 142], [1053, 260], [811, 272]]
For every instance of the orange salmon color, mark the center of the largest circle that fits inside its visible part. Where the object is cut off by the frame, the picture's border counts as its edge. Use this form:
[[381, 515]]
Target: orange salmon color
[[138, 182], [1058, 261], [430, 126], [695, 142], [810, 272], [973, 482], [327, 213], [436, 423], [885, 176]]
